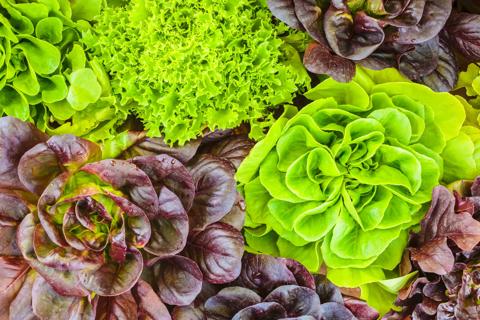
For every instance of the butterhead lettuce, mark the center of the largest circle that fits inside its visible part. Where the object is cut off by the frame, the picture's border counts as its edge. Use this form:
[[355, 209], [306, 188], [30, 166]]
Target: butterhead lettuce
[[342, 180]]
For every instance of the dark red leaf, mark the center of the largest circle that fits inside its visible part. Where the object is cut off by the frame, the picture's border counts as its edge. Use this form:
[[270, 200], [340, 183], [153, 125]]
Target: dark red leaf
[[352, 37], [318, 59], [13, 146], [262, 311], [285, 11], [121, 307], [179, 280], [164, 170], [463, 31], [114, 278], [149, 304], [263, 273], [218, 252], [215, 191], [169, 227], [226, 303], [434, 17], [297, 301]]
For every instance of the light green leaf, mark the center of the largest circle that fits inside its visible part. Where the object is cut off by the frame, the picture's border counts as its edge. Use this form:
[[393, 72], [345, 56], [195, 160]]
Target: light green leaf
[[84, 89], [49, 29]]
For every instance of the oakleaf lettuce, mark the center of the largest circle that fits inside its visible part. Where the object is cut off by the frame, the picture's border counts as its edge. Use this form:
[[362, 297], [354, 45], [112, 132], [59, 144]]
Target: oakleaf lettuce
[[342, 180]]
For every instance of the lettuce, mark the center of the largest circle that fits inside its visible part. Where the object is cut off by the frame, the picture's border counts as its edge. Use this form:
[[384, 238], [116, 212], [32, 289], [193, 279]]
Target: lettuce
[[83, 237], [46, 75], [341, 181], [184, 66], [422, 38]]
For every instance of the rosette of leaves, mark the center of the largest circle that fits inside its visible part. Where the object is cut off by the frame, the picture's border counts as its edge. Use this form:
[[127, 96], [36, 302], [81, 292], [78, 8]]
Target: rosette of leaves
[[210, 64], [46, 76], [341, 181], [275, 288], [77, 232], [447, 256], [418, 37]]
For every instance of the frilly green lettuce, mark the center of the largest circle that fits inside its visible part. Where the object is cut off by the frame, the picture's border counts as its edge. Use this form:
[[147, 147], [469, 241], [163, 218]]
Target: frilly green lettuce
[[342, 181], [185, 66]]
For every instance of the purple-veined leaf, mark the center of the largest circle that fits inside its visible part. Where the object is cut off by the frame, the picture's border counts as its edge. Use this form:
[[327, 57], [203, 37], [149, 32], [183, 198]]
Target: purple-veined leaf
[[404, 13], [360, 309], [163, 170], [63, 258], [21, 306], [138, 226], [149, 304], [13, 270], [445, 75], [188, 313], [327, 291], [318, 59], [420, 61], [296, 300], [309, 14], [41, 164], [236, 216], [333, 310], [64, 282], [233, 148], [463, 31], [218, 252], [264, 273], [169, 227], [113, 278], [352, 37], [442, 222], [285, 11], [262, 311], [434, 18], [157, 146], [48, 304], [121, 307], [12, 148], [215, 191], [179, 280], [227, 302]]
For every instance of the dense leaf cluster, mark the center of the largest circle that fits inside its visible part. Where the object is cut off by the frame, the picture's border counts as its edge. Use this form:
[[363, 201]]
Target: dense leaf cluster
[[342, 180], [46, 75], [77, 231], [419, 37], [275, 288], [447, 255], [183, 66]]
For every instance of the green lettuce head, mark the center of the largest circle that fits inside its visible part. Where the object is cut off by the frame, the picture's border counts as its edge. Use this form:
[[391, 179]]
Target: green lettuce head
[[342, 181]]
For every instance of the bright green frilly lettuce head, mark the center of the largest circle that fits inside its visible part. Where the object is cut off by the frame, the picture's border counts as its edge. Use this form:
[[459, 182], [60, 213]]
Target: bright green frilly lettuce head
[[183, 66], [342, 181]]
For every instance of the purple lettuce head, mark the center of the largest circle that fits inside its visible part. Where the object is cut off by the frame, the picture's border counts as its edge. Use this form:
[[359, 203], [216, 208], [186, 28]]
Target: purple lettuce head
[[78, 231], [418, 37]]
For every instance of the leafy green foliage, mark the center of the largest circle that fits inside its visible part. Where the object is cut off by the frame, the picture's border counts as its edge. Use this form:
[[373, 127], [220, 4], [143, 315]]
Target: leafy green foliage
[[46, 76], [341, 181], [183, 66]]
